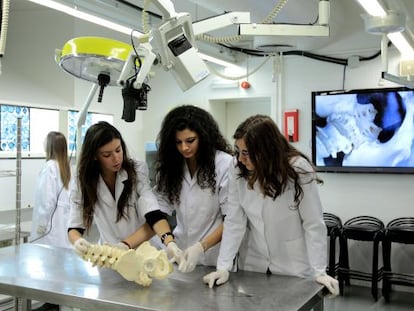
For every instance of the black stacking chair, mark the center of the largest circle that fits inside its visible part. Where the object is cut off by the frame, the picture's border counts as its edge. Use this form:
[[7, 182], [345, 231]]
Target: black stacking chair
[[361, 228], [334, 227], [399, 230]]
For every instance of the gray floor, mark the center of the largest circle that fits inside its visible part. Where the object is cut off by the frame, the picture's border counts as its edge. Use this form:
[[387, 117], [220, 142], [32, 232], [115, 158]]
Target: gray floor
[[357, 298]]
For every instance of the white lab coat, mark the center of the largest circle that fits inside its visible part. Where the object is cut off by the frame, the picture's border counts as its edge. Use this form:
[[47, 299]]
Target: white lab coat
[[51, 208], [277, 236], [200, 211], [140, 203]]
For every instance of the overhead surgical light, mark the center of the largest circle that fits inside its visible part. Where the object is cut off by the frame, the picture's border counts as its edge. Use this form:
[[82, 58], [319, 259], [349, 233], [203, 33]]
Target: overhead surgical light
[[390, 23], [100, 61], [95, 59]]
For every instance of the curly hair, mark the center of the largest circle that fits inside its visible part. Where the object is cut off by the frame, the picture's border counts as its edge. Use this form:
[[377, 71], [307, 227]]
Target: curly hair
[[89, 170], [271, 154], [170, 163]]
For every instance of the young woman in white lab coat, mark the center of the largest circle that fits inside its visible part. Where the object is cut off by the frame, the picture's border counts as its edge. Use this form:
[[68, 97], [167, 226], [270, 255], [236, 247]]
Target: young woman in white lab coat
[[113, 190], [51, 206], [193, 159], [274, 218]]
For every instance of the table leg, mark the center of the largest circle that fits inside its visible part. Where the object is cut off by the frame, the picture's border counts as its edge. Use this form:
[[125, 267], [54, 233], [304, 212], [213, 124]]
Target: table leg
[[318, 306]]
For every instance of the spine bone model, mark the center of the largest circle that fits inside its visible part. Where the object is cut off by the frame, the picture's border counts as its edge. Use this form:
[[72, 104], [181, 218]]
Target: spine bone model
[[140, 265]]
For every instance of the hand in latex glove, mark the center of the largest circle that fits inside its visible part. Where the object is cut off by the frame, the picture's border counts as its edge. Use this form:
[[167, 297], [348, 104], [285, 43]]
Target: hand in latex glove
[[330, 283], [174, 253], [190, 257], [81, 246], [217, 277]]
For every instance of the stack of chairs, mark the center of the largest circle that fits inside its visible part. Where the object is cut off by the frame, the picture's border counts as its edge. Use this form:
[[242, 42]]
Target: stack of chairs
[[334, 227], [361, 228], [399, 230]]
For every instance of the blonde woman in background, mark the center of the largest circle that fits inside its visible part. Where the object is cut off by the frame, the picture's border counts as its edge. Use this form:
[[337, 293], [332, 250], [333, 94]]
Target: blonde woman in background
[[51, 210]]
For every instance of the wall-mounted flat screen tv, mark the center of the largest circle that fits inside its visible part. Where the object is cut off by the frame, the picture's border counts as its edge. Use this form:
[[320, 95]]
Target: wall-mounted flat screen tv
[[364, 131]]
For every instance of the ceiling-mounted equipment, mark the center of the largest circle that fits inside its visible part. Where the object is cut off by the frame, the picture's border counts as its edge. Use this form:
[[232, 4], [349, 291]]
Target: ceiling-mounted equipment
[[391, 25], [320, 29], [392, 22], [174, 43], [87, 57], [95, 59], [4, 24]]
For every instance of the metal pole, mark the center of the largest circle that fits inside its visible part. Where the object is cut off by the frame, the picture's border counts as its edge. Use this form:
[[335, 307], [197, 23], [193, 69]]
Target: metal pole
[[17, 300], [82, 119], [18, 180]]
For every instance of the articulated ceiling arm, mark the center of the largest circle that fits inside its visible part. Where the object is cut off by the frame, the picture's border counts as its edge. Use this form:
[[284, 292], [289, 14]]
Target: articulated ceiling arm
[[166, 7], [128, 74]]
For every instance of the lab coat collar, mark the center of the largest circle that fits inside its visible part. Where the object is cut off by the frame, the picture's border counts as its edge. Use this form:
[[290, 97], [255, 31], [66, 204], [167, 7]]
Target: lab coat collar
[[187, 176], [104, 192]]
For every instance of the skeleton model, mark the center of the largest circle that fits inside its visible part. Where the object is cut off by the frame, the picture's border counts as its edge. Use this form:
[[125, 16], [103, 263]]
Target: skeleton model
[[140, 265]]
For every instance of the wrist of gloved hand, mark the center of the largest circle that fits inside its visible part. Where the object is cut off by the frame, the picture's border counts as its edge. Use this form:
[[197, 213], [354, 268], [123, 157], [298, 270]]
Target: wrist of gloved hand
[[217, 277], [330, 283], [122, 245], [81, 246], [190, 257], [174, 253]]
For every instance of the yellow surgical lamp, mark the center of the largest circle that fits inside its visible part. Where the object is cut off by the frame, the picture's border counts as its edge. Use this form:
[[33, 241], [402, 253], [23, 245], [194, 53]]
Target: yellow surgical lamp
[[95, 59], [101, 61]]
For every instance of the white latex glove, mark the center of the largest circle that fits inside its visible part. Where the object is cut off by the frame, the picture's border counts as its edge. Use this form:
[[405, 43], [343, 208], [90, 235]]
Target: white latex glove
[[174, 252], [121, 245], [41, 230], [330, 283], [81, 246], [217, 277], [190, 257]]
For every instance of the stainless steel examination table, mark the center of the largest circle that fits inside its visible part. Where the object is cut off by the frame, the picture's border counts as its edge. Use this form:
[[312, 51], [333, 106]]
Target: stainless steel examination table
[[57, 275]]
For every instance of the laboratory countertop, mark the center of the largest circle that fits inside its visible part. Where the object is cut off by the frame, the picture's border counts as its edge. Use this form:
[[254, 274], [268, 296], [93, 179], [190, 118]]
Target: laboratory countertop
[[58, 275]]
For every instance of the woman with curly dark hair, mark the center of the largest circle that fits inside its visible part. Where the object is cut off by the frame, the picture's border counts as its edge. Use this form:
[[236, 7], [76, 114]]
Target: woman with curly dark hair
[[274, 217], [193, 159], [114, 191]]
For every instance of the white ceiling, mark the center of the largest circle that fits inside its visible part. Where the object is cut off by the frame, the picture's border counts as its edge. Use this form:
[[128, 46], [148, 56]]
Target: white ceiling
[[347, 33]]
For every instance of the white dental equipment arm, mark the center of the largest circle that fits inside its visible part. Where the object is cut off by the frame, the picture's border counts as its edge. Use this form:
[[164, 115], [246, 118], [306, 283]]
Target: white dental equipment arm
[[173, 42], [149, 58], [166, 7]]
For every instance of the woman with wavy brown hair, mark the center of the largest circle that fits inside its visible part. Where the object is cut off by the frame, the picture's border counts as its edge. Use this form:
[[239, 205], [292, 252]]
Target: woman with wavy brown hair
[[274, 217]]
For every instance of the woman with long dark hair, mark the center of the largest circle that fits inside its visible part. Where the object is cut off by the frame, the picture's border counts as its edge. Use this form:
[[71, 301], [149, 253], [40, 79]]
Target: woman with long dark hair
[[113, 190]]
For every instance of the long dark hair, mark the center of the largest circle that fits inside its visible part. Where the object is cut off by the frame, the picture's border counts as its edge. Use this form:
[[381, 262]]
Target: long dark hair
[[271, 154], [89, 169], [170, 163]]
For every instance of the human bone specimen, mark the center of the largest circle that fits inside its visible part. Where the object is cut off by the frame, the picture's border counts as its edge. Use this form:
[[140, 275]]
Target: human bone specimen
[[140, 265]]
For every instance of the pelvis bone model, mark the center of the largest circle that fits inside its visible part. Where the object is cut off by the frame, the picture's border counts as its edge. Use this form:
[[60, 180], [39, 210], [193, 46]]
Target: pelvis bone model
[[140, 265]]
